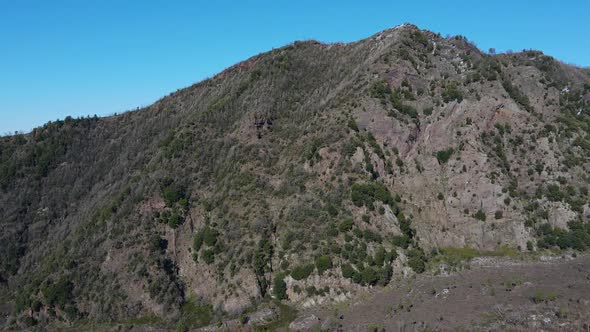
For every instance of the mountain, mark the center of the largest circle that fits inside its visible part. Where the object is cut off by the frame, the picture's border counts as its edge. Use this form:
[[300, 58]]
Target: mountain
[[306, 174]]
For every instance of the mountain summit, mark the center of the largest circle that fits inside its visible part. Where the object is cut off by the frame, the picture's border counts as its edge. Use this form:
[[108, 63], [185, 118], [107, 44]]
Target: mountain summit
[[307, 174]]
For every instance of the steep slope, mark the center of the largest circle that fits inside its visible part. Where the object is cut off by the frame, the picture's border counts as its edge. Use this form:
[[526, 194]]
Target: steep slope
[[308, 172]]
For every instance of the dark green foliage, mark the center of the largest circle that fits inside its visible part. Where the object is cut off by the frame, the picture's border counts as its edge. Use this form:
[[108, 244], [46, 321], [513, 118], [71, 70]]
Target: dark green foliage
[[402, 241], [443, 156], [352, 125], [516, 95], [451, 92], [261, 263], [370, 276], [380, 90], [194, 315], [577, 237], [323, 263], [302, 271], [554, 193], [208, 256], [279, 287], [480, 215], [347, 271], [417, 260], [58, 293], [172, 192], [367, 193], [210, 236], [207, 236], [198, 241], [346, 225]]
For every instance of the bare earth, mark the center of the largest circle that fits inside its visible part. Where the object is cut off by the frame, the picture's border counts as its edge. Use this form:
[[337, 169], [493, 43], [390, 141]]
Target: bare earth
[[495, 295]]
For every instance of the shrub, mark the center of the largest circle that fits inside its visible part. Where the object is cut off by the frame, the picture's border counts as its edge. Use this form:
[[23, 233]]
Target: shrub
[[451, 92], [210, 236], [347, 270], [480, 215], [498, 214], [554, 193], [443, 156], [58, 293], [302, 272], [402, 241], [323, 263], [279, 287], [369, 276], [366, 194], [417, 260], [346, 225], [208, 256]]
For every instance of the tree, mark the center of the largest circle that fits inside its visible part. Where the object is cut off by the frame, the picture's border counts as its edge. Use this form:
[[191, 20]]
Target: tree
[[417, 260], [370, 276], [323, 263], [279, 287]]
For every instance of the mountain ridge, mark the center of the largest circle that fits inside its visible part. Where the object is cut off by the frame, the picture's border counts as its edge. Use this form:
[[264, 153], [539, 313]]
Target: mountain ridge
[[318, 168]]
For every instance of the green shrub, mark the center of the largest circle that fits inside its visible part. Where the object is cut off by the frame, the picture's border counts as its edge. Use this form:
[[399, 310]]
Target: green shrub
[[451, 92], [402, 241], [417, 260], [346, 225], [480, 215], [279, 287], [366, 194], [323, 263], [58, 293], [554, 193], [208, 256], [302, 272], [347, 271], [498, 214], [369, 276], [443, 156]]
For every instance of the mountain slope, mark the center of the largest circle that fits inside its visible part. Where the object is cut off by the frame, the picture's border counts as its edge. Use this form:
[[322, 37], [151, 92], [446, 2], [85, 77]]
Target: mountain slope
[[316, 168]]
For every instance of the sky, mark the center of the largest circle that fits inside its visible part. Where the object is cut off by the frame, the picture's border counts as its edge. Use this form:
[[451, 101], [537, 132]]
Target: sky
[[86, 57]]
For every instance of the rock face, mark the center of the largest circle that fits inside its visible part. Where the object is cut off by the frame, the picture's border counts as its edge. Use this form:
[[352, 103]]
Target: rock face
[[332, 167], [306, 323]]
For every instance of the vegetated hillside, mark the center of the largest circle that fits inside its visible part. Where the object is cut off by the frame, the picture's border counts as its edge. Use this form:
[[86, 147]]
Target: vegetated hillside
[[305, 173]]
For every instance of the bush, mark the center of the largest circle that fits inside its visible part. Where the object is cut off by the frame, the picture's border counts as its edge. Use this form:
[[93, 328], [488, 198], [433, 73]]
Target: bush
[[346, 225], [347, 271], [451, 92], [279, 287], [417, 260], [323, 263], [58, 293], [498, 214], [366, 194], [480, 215], [402, 241], [443, 156], [302, 272], [208, 256], [554, 193], [369, 276]]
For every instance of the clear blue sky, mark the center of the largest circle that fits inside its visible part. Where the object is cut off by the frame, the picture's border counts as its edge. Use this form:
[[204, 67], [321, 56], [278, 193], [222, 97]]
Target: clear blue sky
[[60, 58]]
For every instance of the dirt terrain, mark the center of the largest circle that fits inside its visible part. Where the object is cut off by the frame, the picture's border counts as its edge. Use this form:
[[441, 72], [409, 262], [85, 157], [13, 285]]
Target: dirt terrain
[[553, 294]]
